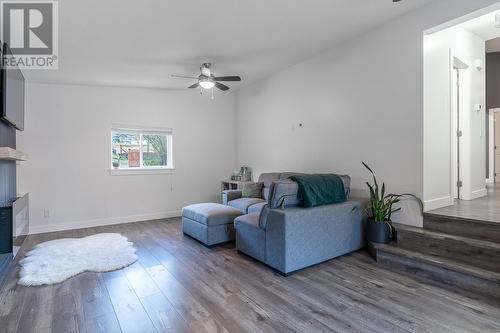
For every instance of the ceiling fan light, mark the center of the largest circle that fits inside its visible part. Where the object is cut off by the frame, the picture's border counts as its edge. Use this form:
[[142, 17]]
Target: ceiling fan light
[[207, 84]]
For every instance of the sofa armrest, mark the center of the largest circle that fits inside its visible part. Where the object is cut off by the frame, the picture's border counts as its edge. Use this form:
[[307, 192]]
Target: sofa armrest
[[229, 195]]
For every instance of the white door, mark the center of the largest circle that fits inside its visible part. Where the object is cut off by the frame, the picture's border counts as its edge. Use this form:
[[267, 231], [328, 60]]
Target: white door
[[497, 147]]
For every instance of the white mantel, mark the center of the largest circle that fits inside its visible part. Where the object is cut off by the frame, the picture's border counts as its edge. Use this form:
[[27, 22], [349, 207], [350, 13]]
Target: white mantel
[[10, 154]]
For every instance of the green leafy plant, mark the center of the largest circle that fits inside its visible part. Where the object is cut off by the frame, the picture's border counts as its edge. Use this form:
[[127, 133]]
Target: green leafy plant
[[382, 204]]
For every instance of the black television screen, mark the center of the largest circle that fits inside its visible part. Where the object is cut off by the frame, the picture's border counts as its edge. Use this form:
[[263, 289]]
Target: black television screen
[[12, 92]]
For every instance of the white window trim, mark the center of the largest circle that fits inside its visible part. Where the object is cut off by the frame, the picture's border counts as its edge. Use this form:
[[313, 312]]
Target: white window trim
[[151, 170], [141, 171]]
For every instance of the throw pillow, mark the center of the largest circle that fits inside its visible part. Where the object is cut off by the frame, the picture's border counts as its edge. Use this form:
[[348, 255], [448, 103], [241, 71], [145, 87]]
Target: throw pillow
[[252, 190]]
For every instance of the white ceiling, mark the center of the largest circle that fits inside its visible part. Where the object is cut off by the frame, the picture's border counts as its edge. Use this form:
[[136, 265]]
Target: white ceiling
[[141, 43], [484, 26]]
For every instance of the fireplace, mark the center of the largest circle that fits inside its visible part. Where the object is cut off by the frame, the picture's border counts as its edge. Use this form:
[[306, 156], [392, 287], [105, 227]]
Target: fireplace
[[20, 222], [14, 225]]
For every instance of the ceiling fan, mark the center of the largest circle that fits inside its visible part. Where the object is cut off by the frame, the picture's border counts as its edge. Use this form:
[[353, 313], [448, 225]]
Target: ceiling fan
[[207, 80]]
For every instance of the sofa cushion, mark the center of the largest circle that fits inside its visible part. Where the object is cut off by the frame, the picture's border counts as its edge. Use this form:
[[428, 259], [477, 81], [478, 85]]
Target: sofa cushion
[[210, 214], [283, 193], [256, 208], [242, 204], [250, 239], [265, 193], [268, 178], [287, 175], [252, 190], [247, 219]]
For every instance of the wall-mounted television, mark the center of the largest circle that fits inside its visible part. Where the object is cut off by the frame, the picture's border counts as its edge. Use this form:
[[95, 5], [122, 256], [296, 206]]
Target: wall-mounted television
[[12, 92]]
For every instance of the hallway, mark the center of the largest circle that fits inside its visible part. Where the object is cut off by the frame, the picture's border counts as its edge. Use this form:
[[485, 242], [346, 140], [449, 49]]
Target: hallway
[[486, 208]]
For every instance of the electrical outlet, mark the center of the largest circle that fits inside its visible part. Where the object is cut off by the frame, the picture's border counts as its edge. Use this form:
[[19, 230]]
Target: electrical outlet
[[46, 213]]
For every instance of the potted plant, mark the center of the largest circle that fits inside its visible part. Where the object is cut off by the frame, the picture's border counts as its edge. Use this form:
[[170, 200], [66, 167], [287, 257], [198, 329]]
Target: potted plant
[[379, 228]]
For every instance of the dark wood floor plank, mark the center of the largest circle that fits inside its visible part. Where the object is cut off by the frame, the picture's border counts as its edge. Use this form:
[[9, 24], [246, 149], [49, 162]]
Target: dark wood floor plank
[[106, 323], [67, 315], [182, 300], [129, 310], [95, 297], [163, 315], [140, 280]]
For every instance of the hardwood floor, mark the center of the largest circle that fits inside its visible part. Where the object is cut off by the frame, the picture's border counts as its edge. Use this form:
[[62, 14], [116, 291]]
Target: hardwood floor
[[178, 285], [486, 208]]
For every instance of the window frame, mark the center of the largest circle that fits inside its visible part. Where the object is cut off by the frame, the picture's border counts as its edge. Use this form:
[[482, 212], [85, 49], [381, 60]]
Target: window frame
[[142, 130]]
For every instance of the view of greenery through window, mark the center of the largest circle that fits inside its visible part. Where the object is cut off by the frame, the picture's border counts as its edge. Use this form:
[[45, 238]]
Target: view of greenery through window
[[133, 150]]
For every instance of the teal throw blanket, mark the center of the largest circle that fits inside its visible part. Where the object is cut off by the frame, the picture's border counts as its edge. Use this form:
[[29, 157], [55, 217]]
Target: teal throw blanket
[[316, 190]]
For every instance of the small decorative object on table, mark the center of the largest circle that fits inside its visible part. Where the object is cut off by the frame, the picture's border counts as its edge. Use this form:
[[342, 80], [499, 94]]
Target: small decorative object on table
[[380, 229], [244, 175]]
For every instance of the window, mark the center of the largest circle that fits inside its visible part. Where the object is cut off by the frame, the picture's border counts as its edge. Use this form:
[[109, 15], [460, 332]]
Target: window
[[145, 149]]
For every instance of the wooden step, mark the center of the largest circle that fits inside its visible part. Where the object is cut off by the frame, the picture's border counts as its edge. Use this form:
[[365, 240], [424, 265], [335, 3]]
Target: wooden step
[[484, 230], [442, 272], [475, 252]]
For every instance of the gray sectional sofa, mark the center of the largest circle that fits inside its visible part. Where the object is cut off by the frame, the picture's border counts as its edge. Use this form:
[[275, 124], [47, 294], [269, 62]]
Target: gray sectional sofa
[[278, 232]]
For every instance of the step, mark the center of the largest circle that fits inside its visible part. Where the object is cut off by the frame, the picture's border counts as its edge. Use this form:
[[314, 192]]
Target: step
[[475, 252], [484, 230], [442, 272]]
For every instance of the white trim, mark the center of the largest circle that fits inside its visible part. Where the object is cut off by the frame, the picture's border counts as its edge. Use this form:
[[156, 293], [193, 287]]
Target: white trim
[[103, 221], [478, 194], [438, 203], [491, 148], [141, 171], [453, 143], [140, 129]]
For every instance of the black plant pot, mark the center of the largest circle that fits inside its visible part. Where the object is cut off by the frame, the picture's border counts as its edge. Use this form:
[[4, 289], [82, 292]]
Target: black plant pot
[[379, 232]]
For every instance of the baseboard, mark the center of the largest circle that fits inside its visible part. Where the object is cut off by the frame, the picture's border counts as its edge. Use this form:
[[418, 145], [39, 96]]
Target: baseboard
[[39, 229], [437, 203], [478, 194]]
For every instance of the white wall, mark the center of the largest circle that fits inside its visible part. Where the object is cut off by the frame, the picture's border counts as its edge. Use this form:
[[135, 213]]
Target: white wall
[[67, 137], [362, 100], [440, 150]]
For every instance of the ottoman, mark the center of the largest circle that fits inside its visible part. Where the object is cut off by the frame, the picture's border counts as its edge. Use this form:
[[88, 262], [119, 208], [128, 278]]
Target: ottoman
[[209, 223]]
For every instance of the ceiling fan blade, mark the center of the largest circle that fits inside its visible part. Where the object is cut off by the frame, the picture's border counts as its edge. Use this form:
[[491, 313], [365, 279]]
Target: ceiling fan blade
[[185, 77], [196, 85], [221, 86], [227, 78]]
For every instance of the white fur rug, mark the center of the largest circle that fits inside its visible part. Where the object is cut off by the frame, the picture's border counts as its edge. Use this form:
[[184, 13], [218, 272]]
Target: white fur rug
[[57, 260]]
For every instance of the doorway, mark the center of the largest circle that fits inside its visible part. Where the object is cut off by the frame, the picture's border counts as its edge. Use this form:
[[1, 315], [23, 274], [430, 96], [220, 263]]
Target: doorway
[[461, 139]]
